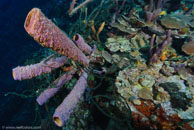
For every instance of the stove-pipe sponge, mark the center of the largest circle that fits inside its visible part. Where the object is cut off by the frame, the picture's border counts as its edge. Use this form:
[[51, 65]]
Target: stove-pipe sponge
[[82, 45], [50, 92], [65, 109], [45, 66], [45, 32]]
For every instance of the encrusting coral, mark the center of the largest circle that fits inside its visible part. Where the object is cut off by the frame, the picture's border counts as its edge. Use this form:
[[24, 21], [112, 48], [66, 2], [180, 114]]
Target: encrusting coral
[[188, 47]]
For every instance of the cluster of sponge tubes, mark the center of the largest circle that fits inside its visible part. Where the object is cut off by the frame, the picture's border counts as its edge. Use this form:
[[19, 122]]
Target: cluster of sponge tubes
[[46, 33]]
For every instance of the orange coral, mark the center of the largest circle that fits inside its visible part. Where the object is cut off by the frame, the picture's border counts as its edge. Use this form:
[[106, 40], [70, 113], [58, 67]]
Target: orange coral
[[163, 56], [162, 121], [145, 108], [185, 8], [66, 68], [96, 34]]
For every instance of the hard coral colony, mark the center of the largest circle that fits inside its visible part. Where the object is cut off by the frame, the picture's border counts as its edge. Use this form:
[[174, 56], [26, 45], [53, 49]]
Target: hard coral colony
[[149, 50]]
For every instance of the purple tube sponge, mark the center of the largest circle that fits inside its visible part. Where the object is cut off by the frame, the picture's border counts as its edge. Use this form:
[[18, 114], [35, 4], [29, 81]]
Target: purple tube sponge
[[149, 16], [65, 109], [82, 45], [122, 5], [158, 52], [47, 34], [152, 14], [50, 92], [152, 45], [45, 66]]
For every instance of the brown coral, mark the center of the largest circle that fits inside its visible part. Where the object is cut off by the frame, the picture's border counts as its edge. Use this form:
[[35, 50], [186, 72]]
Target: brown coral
[[172, 22], [188, 48]]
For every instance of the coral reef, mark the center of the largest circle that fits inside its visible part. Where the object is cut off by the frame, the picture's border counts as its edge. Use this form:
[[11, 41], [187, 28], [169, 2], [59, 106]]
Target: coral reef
[[138, 75]]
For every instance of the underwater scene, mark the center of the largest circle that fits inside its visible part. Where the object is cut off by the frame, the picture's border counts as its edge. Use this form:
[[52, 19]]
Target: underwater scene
[[97, 64]]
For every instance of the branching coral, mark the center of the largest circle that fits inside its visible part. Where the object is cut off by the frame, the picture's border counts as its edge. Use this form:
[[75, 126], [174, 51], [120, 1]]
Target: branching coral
[[74, 10], [155, 57], [153, 12]]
